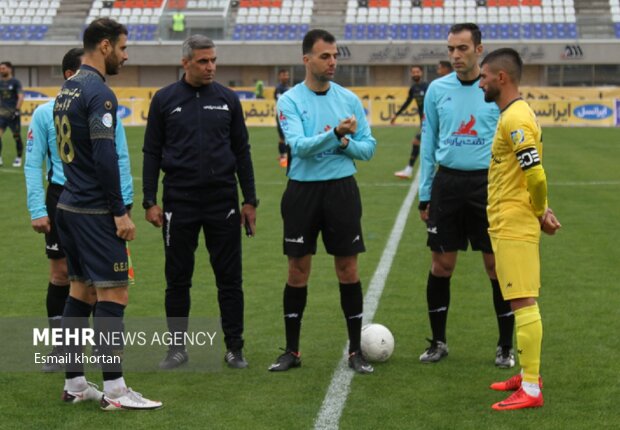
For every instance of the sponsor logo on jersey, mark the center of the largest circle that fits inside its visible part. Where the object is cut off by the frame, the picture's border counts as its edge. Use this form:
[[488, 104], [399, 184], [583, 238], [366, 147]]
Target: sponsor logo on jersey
[[467, 128], [283, 121], [215, 107], [517, 136], [466, 135], [107, 120]]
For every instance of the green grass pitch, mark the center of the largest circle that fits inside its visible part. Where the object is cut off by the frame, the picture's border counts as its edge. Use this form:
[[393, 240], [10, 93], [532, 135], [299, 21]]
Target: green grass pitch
[[579, 304]]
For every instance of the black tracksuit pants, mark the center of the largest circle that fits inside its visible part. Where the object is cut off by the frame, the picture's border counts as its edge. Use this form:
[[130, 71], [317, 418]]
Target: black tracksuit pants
[[215, 211]]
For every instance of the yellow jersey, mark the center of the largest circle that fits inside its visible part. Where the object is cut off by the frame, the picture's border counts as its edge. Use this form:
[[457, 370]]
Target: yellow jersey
[[517, 147]]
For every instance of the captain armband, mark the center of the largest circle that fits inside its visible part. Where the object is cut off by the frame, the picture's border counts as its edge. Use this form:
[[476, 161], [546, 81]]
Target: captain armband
[[528, 158]]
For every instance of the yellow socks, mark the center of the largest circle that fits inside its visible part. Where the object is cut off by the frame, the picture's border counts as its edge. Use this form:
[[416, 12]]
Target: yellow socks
[[529, 339]]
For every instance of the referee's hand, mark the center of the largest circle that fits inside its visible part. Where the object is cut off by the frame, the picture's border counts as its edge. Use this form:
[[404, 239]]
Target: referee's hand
[[41, 225], [125, 228]]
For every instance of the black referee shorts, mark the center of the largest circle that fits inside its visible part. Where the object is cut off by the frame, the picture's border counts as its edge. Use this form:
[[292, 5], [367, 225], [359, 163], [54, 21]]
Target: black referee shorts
[[458, 211], [53, 250], [332, 207]]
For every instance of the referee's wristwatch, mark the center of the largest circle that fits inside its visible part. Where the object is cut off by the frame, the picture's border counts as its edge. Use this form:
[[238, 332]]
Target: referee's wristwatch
[[253, 202], [148, 204]]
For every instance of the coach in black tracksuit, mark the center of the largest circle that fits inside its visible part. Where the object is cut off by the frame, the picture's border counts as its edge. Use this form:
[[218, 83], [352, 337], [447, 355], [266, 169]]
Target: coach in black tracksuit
[[197, 136]]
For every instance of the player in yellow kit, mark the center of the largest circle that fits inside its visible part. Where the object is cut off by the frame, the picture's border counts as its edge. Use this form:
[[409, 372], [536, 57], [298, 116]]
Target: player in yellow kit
[[517, 211]]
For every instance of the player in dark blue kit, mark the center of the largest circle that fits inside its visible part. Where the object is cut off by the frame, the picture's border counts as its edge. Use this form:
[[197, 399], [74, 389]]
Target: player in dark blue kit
[[281, 88], [11, 99], [416, 92], [92, 220], [197, 136]]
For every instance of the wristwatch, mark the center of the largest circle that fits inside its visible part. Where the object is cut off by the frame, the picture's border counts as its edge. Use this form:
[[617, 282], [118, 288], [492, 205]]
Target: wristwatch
[[253, 202], [147, 204]]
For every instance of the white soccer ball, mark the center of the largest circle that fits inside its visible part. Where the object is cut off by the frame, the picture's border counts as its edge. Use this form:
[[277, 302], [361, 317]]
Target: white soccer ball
[[377, 342]]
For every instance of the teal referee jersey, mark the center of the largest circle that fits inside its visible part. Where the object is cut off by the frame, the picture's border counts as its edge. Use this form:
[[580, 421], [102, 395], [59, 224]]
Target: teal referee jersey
[[308, 119], [457, 130]]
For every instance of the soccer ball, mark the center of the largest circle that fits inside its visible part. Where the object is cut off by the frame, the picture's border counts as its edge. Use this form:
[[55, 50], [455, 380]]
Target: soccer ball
[[377, 342]]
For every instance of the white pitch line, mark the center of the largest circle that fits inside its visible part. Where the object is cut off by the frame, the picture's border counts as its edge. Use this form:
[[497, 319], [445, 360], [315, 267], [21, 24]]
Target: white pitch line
[[333, 404]]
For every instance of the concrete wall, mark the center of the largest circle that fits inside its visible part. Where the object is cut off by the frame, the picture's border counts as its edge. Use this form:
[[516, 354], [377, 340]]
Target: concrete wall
[[157, 63]]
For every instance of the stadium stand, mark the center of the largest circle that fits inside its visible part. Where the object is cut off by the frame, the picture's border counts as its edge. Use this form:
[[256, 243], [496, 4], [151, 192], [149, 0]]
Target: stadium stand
[[26, 20], [614, 6], [431, 19], [288, 20], [140, 16], [272, 19]]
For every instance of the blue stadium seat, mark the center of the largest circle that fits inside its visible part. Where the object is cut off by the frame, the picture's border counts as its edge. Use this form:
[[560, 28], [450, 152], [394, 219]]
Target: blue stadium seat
[[572, 30], [438, 32]]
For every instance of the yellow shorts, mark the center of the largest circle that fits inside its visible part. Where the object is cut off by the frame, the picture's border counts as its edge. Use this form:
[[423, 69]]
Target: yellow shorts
[[517, 264]]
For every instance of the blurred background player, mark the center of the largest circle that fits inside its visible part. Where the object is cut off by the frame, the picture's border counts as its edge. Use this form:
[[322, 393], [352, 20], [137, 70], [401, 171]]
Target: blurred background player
[[518, 212], [417, 93], [11, 99], [443, 68], [41, 148], [320, 121], [281, 88], [92, 220], [457, 134]]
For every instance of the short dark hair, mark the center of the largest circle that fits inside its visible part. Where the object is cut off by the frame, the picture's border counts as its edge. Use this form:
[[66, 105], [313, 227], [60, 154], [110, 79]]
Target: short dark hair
[[8, 64], [281, 71], [446, 64], [476, 34], [101, 29], [313, 36], [72, 59], [416, 66], [506, 59]]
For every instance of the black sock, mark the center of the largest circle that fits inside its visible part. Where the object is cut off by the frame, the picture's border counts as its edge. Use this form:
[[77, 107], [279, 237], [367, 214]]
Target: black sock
[[56, 298], [415, 151], [55, 303], [75, 316], [178, 304], [505, 316], [438, 299], [19, 144], [352, 303], [109, 320], [282, 148], [294, 303]]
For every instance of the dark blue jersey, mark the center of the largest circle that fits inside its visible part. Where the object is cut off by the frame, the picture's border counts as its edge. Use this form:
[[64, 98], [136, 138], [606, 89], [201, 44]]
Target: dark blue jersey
[[198, 138], [85, 120], [10, 90], [280, 89], [417, 93]]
